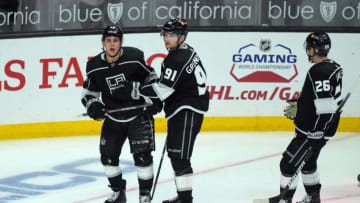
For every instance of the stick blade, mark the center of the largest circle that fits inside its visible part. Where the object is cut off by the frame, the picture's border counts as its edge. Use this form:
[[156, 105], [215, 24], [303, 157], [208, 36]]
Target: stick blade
[[261, 201]]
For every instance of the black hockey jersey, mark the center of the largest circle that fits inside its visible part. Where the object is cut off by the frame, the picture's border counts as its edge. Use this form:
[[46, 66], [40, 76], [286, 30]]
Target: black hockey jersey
[[105, 79], [319, 98], [183, 72]]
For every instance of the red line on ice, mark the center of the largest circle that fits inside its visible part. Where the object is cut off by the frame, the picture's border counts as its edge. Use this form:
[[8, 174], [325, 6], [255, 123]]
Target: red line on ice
[[336, 199], [225, 167]]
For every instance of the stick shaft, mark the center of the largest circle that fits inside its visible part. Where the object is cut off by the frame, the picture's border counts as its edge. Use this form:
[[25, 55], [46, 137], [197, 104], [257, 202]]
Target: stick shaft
[[124, 108], [298, 170], [158, 171]]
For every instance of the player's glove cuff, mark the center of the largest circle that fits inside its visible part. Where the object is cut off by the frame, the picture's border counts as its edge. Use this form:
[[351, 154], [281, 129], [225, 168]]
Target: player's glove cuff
[[95, 109], [91, 101], [155, 108]]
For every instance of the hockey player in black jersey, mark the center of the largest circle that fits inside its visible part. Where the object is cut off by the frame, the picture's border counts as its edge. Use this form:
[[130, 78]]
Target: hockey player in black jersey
[[315, 119], [182, 87], [103, 91]]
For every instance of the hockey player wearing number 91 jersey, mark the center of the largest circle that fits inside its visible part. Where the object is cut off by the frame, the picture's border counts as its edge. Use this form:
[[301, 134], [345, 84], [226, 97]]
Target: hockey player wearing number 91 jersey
[[182, 87], [316, 120]]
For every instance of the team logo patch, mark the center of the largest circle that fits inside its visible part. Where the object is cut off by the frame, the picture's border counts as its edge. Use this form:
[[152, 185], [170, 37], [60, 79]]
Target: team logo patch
[[114, 82]]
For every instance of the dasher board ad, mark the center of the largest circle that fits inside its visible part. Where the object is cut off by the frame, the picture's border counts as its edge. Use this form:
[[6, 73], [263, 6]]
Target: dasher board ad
[[248, 73]]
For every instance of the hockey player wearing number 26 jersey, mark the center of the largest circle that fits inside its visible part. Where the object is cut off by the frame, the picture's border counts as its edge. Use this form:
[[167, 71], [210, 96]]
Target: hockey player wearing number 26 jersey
[[319, 98], [316, 121]]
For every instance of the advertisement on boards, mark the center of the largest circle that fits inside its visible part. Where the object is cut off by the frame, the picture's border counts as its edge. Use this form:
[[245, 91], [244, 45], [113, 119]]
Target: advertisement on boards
[[248, 73]]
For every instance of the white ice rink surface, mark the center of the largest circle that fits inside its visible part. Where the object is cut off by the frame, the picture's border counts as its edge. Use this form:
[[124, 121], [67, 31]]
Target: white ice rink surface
[[229, 168]]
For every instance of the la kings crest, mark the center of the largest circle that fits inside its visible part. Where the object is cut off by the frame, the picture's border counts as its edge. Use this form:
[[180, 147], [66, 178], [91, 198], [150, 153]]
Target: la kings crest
[[113, 82]]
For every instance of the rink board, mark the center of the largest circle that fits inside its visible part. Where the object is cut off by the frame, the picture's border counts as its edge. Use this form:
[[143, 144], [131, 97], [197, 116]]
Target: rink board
[[250, 75]]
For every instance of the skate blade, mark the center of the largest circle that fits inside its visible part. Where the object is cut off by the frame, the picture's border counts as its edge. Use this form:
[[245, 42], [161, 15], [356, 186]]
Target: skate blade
[[261, 201]]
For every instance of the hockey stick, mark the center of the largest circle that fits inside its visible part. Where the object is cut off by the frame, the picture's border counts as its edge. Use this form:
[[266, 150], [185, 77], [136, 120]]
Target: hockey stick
[[353, 87], [158, 171], [341, 105], [308, 154], [298, 170], [129, 108], [309, 151], [124, 109]]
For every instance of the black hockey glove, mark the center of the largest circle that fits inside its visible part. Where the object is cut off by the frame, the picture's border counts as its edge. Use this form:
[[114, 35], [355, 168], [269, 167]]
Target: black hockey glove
[[155, 108], [127, 91], [96, 110]]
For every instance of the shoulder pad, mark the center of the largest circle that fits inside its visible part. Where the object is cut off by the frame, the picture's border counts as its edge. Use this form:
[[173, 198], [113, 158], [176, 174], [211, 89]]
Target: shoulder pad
[[95, 63], [133, 53]]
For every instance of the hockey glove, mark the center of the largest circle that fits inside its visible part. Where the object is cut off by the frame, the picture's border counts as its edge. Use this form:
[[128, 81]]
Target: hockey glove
[[95, 109], [128, 90], [290, 111], [155, 108]]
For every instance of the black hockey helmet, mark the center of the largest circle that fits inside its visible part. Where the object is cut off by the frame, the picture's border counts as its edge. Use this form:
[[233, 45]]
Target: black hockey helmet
[[175, 25], [112, 31], [319, 41]]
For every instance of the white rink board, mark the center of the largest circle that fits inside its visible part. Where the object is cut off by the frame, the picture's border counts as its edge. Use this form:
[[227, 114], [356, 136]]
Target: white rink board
[[30, 103]]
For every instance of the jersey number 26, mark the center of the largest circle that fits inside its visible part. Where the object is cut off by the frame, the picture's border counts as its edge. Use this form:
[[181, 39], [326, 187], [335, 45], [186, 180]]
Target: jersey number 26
[[322, 86]]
